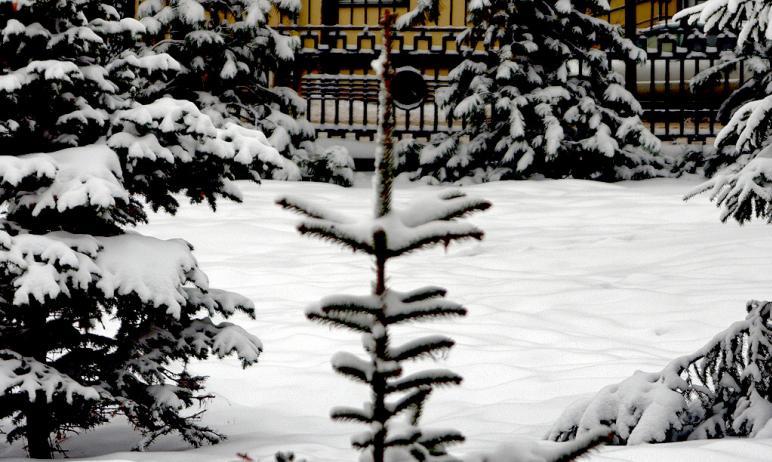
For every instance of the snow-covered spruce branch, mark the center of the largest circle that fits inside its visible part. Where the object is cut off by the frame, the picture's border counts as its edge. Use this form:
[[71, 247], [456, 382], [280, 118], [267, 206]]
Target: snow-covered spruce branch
[[743, 190], [425, 223], [423, 12], [229, 52], [530, 452], [723, 389], [26, 376], [171, 135], [750, 18]]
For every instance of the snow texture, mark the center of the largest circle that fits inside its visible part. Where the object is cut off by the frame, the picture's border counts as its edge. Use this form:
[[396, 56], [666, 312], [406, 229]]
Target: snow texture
[[577, 285]]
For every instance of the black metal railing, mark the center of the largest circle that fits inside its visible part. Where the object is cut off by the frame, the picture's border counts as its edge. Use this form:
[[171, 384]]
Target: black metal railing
[[333, 70]]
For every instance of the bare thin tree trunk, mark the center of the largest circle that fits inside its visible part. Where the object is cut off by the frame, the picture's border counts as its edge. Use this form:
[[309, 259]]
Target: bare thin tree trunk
[[384, 169]]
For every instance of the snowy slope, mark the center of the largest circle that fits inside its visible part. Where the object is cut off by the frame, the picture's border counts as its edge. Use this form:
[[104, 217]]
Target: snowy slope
[[576, 286]]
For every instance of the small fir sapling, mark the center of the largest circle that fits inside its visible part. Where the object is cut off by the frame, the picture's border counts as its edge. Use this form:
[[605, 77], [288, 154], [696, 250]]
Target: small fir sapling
[[332, 165], [540, 97], [397, 400]]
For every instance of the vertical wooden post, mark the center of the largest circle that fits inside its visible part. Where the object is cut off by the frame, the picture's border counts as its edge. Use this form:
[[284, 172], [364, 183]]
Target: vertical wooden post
[[631, 32], [329, 12]]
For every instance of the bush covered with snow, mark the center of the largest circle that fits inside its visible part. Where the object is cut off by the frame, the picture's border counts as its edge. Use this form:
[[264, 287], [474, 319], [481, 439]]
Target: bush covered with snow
[[542, 99], [234, 64], [723, 389], [333, 165]]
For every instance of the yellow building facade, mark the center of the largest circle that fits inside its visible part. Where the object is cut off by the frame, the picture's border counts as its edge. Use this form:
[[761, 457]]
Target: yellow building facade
[[452, 13], [352, 24]]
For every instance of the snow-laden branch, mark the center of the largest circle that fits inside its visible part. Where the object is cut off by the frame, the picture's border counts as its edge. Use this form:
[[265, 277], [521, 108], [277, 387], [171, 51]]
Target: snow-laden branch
[[20, 374], [425, 223], [722, 389]]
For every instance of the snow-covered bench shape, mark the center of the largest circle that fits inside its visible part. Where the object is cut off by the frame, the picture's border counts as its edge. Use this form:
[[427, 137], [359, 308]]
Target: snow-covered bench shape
[[723, 389]]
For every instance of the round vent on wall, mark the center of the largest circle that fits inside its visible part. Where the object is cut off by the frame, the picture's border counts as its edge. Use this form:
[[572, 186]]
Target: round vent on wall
[[408, 88]]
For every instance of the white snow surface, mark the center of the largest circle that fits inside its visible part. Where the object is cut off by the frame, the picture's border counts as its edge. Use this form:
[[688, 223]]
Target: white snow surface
[[577, 285]]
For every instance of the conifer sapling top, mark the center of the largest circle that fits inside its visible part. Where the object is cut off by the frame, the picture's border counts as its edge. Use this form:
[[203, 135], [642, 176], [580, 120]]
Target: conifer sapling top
[[397, 399]]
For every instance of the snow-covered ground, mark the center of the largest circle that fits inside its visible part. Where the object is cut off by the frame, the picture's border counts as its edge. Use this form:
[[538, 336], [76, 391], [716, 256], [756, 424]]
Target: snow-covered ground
[[576, 286]]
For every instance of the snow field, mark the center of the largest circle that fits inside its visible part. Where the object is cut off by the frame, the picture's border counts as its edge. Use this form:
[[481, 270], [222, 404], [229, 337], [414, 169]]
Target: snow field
[[577, 285]]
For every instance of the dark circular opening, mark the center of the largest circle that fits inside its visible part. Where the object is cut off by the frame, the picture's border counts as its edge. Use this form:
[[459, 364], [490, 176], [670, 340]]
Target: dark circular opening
[[408, 88]]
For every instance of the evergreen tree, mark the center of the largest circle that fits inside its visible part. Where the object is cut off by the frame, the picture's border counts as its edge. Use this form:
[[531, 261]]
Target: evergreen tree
[[744, 189], [59, 71], [229, 55], [542, 98], [397, 399], [723, 389], [96, 320]]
